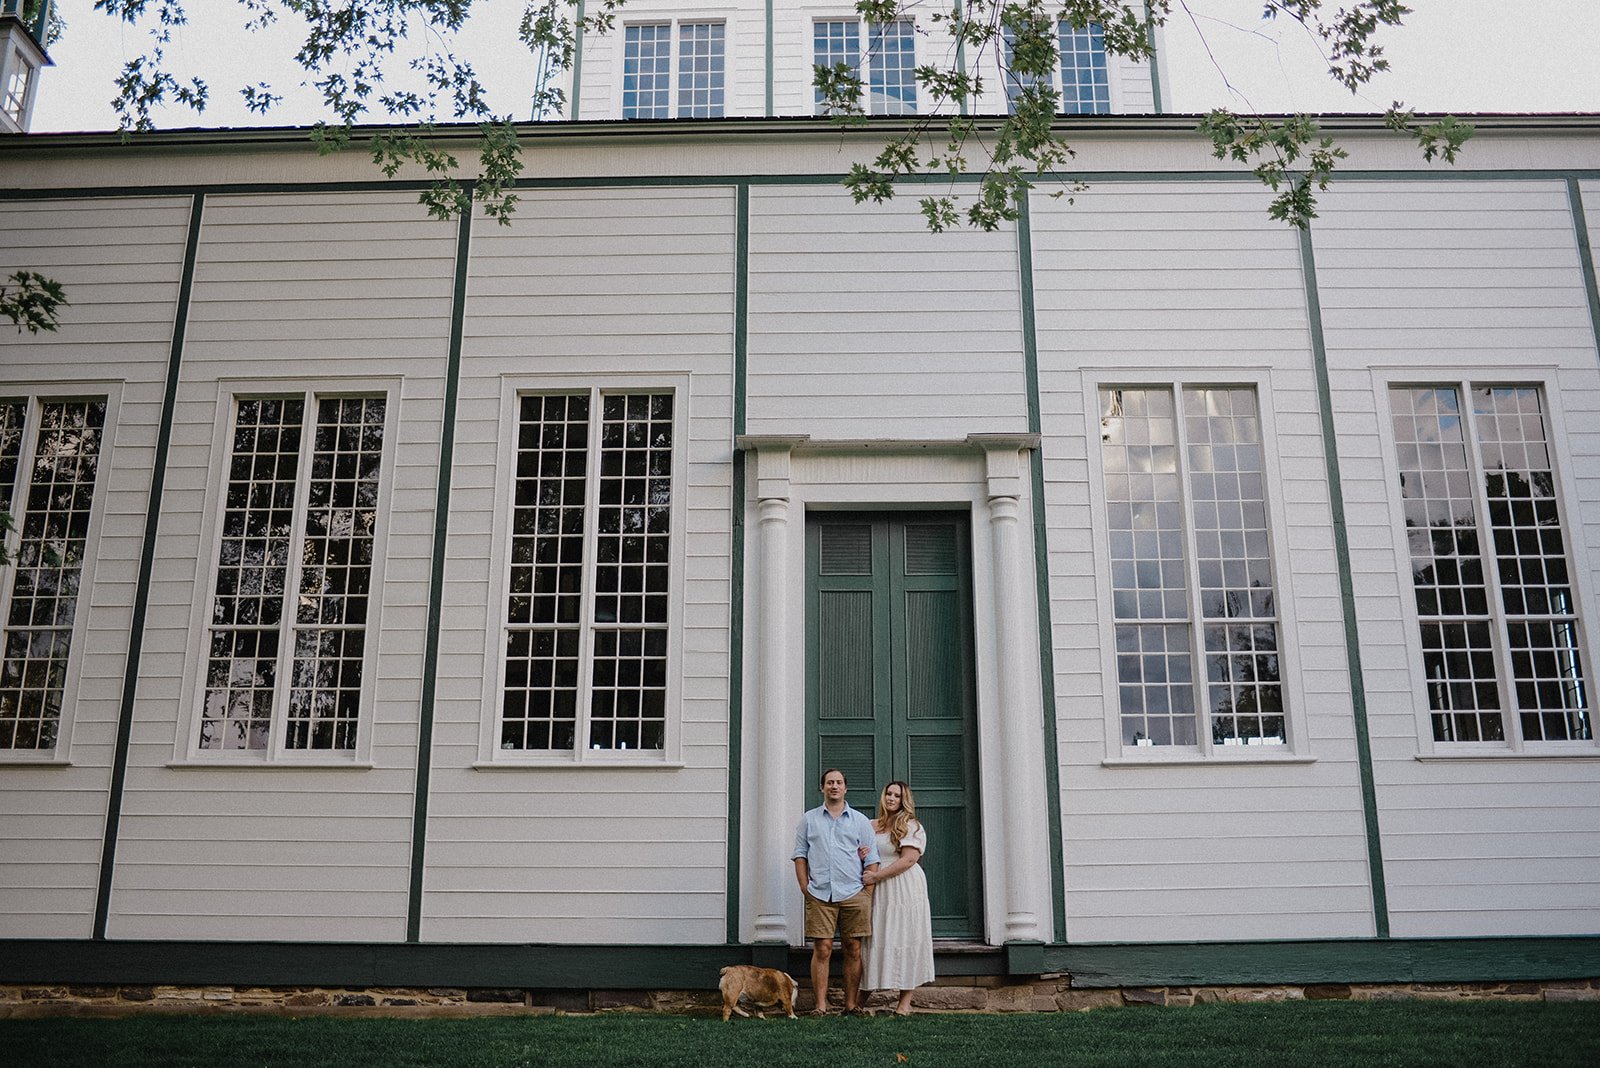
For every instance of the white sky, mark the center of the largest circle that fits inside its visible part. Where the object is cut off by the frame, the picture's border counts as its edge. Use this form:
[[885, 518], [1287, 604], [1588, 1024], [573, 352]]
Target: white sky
[[1452, 55]]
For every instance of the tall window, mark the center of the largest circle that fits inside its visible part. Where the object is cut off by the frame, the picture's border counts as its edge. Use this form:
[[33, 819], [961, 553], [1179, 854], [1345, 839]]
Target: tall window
[[1190, 558], [287, 637], [1495, 604], [888, 68], [1085, 81], [587, 610], [49, 456], [647, 76]]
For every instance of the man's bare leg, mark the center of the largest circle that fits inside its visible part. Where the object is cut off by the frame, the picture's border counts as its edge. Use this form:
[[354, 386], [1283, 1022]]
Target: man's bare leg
[[821, 954], [852, 973]]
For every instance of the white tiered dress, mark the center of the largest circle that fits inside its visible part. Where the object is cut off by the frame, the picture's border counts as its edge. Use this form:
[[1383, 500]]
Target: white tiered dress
[[899, 955]]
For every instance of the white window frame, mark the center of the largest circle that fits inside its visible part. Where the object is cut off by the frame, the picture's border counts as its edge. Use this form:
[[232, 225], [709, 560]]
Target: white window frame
[[34, 396], [490, 756], [864, 65], [675, 32], [186, 747], [1545, 379], [1296, 748]]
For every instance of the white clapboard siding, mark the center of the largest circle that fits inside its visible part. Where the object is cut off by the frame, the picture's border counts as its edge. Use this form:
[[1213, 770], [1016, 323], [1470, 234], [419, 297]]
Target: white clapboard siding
[[1465, 280], [744, 55], [843, 345], [295, 291], [120, 260], [1192, 282], [589, 287]]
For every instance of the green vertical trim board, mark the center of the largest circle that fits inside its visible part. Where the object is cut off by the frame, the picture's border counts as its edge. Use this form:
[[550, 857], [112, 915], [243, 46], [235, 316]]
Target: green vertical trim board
[[147, 560], [1155, 64], [770, 109], [1580, 228], [441, 526], [1041, 573], [577, 59], [1347, 596], [741, 336], [961, 69]]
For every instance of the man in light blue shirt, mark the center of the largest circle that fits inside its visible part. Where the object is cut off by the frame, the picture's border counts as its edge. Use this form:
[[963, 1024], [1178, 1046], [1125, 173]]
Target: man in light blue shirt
[[833, 846]]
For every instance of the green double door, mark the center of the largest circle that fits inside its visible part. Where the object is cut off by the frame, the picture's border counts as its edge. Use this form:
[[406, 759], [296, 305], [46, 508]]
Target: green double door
[[890, 689]]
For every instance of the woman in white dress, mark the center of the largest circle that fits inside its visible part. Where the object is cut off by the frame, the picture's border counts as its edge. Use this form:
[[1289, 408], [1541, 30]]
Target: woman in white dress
[[900, 952]]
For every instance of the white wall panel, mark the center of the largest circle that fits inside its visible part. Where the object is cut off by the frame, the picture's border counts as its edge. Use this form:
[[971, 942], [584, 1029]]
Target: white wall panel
[[120, 260], [1461, 280], [292, 291]]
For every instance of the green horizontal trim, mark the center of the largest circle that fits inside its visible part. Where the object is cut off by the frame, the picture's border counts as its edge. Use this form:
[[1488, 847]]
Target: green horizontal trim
[[695, 967], [1388, 960], [681, 180]]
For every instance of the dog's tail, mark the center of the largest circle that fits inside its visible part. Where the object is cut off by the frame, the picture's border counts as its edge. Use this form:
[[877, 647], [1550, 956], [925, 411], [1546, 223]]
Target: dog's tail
[[726, 970]]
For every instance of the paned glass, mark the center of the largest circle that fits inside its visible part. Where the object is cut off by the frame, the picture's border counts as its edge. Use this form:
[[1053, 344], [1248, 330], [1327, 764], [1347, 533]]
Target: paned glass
[[647, 71], [833, 44], [1233, 565], [620, 612], [1531, 563], [335, 574], [1446, 564], [1085, 81], [891, 69], [53, 532], [700, 70], [1016, 81]]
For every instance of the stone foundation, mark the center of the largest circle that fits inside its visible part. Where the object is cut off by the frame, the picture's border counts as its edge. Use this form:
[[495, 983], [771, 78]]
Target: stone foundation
[[954, 994]]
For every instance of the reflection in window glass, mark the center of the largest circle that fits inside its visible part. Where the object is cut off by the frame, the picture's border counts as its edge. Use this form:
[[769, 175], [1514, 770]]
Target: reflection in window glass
[[834, 44], [1085, 82], [1149, 457], [53, 530], [616, 618], [647, 71], [891, 70], [326, 545], [700, 70]]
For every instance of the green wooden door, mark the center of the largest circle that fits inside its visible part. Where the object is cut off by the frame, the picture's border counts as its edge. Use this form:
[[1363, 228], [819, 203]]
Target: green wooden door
[[889, 682]]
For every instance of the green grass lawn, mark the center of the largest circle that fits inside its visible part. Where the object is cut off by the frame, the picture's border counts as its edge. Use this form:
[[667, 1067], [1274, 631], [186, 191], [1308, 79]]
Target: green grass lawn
[[1364, 1034]]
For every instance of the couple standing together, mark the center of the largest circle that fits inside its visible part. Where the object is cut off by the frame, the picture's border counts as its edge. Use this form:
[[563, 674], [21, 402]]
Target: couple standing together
[[861, 878]]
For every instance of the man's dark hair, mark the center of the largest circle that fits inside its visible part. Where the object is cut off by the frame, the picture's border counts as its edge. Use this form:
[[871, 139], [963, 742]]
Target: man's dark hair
[[830, 771]]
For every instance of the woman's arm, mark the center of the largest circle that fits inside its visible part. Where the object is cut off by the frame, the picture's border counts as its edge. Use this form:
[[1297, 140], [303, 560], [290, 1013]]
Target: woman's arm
[[909, 855]]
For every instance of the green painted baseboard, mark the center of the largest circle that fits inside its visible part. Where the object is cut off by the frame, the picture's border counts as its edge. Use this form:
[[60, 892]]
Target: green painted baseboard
[[696, 967]]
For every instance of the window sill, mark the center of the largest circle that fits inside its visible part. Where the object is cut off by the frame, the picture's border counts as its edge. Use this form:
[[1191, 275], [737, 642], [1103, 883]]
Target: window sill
[[1195, 760], [1491, 755], [272, 765], [578, 765], [13, 760]]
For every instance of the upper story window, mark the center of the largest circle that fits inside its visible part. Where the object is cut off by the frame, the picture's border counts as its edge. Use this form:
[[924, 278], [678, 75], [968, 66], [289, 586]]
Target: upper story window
[[49, 458], [286, 642], [888, 69], [1193, 601], [1085, 80], [588, 612], [649, 88], [1495, 600]]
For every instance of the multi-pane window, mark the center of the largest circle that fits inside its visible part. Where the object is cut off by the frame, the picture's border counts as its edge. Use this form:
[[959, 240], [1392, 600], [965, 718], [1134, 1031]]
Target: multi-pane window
[[1189, 550], [1085, 83], [1495, 602], [286, 642], [888, 69], [647, 74], [49, 456], [587, 605]]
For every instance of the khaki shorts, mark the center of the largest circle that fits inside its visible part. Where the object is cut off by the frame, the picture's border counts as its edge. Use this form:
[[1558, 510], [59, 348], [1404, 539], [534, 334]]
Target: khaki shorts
[[852, 917]]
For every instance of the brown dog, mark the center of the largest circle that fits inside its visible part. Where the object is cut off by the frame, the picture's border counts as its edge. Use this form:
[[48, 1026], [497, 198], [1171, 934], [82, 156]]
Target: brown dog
[[764, 987]]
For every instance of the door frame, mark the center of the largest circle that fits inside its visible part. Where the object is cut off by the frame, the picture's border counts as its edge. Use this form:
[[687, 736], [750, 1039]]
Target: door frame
[[791, 476], [865, 794]]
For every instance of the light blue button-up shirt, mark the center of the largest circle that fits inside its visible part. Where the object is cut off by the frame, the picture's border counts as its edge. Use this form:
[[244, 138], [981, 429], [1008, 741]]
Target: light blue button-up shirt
[[831, 846]]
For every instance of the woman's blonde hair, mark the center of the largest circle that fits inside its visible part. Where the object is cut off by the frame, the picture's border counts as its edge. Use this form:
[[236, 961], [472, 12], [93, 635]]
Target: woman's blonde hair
[[900, 825]]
